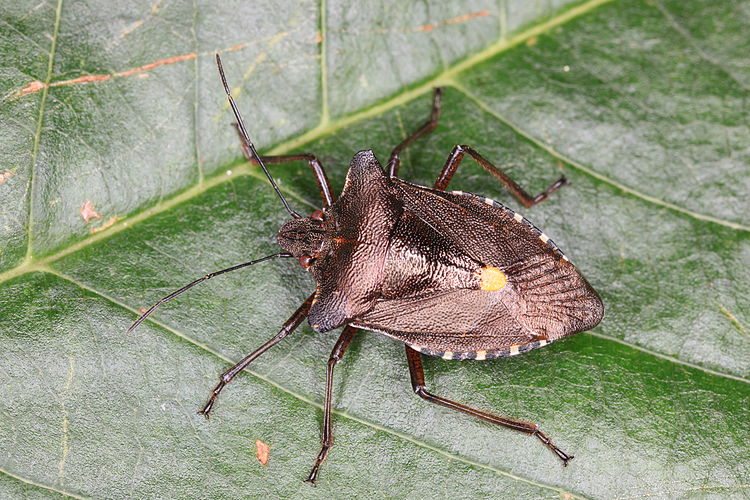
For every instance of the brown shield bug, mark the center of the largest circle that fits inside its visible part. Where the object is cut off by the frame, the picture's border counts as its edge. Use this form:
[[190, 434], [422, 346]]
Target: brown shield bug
[[447, 273]]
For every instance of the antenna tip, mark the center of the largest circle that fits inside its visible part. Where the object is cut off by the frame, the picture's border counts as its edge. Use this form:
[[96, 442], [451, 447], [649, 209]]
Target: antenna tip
[[135, 324], [221, 73]]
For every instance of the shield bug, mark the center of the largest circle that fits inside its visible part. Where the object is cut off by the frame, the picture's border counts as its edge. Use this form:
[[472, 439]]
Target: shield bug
[[447, 273]]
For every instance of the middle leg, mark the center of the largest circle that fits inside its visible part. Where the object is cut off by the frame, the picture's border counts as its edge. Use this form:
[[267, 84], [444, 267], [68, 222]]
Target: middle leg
[[291, 324], [327, 438], [414, 358]]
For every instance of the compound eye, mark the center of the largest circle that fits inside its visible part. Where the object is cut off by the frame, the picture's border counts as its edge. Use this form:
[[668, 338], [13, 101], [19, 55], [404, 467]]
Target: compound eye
[[317, 215], [306, 261]]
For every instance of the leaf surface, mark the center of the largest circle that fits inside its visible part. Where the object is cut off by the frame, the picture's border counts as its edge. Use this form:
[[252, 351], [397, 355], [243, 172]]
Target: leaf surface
[[122, 179]]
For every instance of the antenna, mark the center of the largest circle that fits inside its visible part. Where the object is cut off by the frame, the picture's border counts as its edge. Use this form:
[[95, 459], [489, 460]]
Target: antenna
[[206, 277], [248, 142]]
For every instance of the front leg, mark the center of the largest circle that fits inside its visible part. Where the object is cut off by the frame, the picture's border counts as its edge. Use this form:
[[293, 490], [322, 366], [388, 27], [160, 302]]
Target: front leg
[[327, 438], [226, 377], [326, 192]]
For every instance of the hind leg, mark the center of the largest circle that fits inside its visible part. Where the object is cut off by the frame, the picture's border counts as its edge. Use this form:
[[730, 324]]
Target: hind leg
[[454, 160], [414, 358]]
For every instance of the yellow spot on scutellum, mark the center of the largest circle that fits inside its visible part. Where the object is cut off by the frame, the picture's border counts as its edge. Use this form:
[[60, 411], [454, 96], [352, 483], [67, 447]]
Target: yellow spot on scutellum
[[492, 279]]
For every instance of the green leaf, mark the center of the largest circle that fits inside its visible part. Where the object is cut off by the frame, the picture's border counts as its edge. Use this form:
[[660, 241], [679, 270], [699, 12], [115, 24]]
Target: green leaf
[[118, 109]]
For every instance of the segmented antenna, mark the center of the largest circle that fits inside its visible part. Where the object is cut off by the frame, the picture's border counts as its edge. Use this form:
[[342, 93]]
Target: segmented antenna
[[206, 277], [248, 143]]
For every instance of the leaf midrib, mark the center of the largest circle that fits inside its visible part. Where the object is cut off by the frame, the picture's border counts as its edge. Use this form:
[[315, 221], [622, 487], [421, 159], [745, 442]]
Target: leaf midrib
[[244, 170]]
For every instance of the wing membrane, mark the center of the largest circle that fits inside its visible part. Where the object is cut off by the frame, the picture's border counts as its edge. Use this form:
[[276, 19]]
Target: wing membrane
[[545, 297]]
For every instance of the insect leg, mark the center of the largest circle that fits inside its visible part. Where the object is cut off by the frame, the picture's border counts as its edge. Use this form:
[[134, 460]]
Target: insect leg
[[416, 371], [320, 174], [226, 377], [454, 160], [327, 439], [395, 161]]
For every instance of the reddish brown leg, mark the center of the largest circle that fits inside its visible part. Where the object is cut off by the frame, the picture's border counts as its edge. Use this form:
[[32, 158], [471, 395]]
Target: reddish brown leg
[[326, 193], [327, 439], [454, 160], [417, 382], [395, 161], [226, 377]]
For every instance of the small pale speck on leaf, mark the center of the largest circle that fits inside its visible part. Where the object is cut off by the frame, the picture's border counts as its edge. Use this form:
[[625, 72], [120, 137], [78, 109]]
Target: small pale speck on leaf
[[566, 68], [532, 41], [229, 172], [88, 212], [262, 450]]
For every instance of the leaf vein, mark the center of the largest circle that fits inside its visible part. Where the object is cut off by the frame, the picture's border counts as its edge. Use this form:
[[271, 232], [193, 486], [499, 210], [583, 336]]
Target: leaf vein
[[196, 68], [42, 486], [593, 173], [38, 133], [683, 31], [322, 35]]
